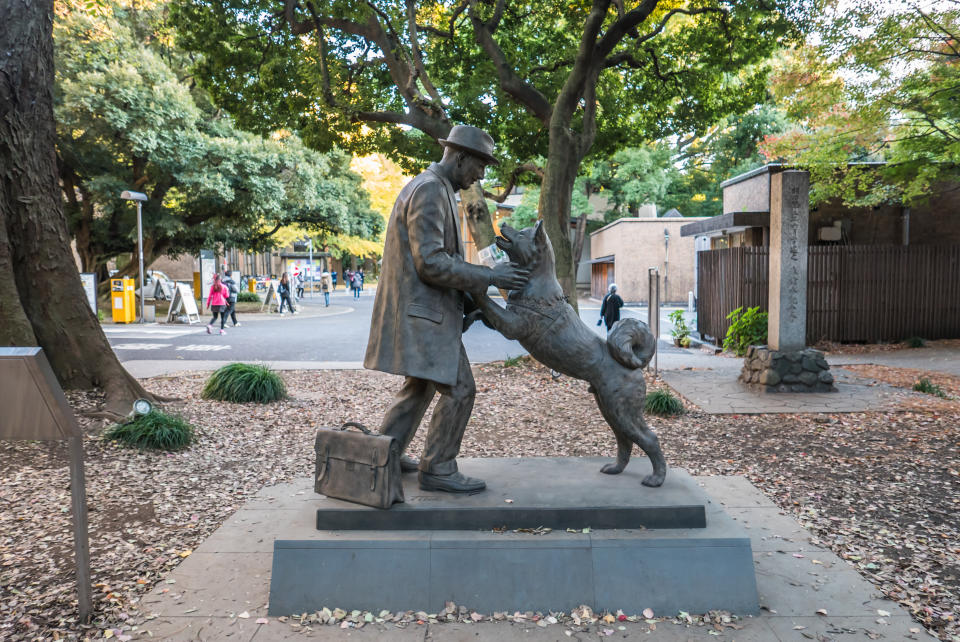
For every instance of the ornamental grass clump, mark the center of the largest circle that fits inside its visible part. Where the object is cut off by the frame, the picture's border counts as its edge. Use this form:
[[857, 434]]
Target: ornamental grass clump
[[926, 386], [245, 383], [661, 402], [154, 431]]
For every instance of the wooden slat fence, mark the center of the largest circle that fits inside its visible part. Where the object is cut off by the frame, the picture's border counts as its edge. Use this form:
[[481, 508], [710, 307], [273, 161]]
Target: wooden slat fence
[[729, 279], [854, 293]]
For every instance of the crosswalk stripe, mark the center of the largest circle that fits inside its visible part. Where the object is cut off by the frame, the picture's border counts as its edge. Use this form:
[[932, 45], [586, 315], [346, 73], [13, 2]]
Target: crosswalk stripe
[[204, 347], [141, 346]]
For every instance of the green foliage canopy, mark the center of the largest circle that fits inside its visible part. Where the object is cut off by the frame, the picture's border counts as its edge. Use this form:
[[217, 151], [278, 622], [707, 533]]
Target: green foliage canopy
[[345, 73], [881, 86], [126, 120]]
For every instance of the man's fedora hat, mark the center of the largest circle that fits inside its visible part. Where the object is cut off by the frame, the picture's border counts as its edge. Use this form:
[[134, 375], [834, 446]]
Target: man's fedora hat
[[472, 140]]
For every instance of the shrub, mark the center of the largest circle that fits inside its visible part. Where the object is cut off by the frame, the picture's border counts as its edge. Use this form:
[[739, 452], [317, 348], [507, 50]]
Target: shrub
[[916, 342], [661, 402], [511, 362], [930, 388], [248, 297], [155, 431], [746, 329], [243, 383], [680, 328]]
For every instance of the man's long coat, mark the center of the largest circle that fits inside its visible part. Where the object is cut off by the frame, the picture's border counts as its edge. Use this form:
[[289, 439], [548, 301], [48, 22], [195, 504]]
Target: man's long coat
[[418, 311]]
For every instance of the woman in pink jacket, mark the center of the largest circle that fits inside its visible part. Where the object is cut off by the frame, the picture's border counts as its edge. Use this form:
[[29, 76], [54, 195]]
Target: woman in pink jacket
[[217, 299]]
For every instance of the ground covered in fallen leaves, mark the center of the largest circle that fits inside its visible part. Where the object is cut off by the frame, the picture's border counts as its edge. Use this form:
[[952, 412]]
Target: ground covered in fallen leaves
[[882, 490]]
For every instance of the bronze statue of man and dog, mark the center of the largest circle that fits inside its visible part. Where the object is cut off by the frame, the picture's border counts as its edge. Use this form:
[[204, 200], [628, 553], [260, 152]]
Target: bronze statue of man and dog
[[428, 295]]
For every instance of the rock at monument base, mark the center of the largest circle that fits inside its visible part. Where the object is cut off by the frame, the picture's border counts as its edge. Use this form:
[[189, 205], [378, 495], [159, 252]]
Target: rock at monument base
[[499, 569], [804, 370]]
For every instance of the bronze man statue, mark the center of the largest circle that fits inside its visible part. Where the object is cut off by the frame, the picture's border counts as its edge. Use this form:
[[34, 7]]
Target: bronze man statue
[[419, 309]]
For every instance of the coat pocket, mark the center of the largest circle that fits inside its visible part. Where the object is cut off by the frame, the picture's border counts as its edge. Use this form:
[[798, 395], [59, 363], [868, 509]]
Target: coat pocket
[[423, 312]]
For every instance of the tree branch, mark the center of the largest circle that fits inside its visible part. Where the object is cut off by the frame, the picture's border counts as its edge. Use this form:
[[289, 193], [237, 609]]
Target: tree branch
[[625, 57], [460, 8], [523, 92], [301, 27], [589, 112], [621, 27], [421, 71], [511, 183]]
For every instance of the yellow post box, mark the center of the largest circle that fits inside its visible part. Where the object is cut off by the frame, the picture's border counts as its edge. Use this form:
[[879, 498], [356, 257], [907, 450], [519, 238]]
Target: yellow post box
[[252, 285], [124, 300]]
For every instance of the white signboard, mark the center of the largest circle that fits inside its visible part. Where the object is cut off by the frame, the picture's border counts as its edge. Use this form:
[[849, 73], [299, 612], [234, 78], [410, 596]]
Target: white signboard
[[89, 281], [270, 298], [183, 301]]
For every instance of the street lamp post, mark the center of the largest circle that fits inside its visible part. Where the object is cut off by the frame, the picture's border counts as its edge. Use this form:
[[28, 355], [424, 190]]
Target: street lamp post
[[139, 197]]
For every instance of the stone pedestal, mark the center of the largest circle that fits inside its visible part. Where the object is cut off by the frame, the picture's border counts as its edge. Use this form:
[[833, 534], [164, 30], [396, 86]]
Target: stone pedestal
[[803, 370], [696, 561]]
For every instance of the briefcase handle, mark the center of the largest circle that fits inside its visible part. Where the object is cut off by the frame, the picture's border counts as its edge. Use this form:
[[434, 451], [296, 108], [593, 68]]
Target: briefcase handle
[[362, 428]]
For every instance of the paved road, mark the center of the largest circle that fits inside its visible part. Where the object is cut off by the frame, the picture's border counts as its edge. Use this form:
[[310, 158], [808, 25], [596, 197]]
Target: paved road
[[335, 334]]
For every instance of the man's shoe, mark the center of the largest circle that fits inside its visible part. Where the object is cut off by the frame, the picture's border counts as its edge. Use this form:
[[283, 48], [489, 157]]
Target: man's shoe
[[408, 464], [452, 483]]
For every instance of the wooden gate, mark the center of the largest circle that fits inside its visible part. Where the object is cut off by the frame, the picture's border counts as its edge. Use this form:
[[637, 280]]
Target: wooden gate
[[602, 275]]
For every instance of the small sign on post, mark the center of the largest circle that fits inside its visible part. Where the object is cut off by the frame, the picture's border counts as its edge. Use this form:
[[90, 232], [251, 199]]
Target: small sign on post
[[89, 280], [653, 310], [32, 406]]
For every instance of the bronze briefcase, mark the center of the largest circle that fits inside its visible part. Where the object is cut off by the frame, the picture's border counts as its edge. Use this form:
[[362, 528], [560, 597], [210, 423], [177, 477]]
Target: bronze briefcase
[[358, 467]]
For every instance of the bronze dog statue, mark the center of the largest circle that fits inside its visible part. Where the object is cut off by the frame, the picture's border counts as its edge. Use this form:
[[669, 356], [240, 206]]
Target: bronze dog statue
[[539, 317]]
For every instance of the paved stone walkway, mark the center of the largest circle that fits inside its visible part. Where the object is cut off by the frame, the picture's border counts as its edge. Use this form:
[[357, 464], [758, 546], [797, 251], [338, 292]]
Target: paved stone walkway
[[718, 392], [221, 590]]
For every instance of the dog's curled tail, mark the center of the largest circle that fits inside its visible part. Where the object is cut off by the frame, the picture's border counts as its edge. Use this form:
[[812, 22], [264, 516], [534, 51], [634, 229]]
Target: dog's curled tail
[[631, 343]]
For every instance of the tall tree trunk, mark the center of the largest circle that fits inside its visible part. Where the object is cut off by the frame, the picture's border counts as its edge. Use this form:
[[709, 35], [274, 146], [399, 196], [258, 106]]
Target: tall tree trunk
[[478, 216], [556, 193], [39, 281]]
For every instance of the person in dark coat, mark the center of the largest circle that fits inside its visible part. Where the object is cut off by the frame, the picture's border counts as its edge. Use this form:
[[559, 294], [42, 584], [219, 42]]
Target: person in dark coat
[[610, 308], [418, 309], [234, 289]]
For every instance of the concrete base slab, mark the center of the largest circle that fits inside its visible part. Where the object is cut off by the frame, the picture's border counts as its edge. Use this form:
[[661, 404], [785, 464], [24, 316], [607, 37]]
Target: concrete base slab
[[531, 492], [497, 569], [202, 598]]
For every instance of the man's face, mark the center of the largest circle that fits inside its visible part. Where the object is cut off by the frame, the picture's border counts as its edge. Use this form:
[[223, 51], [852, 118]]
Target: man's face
[[470, 169]]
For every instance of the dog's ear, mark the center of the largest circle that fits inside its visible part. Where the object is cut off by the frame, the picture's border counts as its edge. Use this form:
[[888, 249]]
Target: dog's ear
[[539, 234]]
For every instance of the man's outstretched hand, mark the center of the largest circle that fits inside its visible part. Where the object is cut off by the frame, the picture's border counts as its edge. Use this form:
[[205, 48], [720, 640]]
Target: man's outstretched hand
[[509, 276]]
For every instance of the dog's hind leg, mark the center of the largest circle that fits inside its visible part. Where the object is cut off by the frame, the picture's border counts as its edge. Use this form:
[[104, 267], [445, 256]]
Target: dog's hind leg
[[624, 446], [640, 433]]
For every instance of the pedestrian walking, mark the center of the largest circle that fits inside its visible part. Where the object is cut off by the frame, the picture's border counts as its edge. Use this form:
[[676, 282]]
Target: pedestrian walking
[[283, 291], [299, 278], [333, 277], [217, 301], [234, 290], [326, 283], [362, 277], [610, 307], [357, 284]]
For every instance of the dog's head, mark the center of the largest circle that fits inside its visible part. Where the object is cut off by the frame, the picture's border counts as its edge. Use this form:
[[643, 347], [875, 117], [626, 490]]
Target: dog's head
[[525, 247]]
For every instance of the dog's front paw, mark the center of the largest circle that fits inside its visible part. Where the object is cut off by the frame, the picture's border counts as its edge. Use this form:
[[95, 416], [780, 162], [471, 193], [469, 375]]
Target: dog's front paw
[[612, 469], [653, 480], [468, 320]]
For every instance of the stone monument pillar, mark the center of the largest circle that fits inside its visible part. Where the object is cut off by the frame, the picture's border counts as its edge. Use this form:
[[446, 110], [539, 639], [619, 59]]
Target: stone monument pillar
[[785, 364]]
